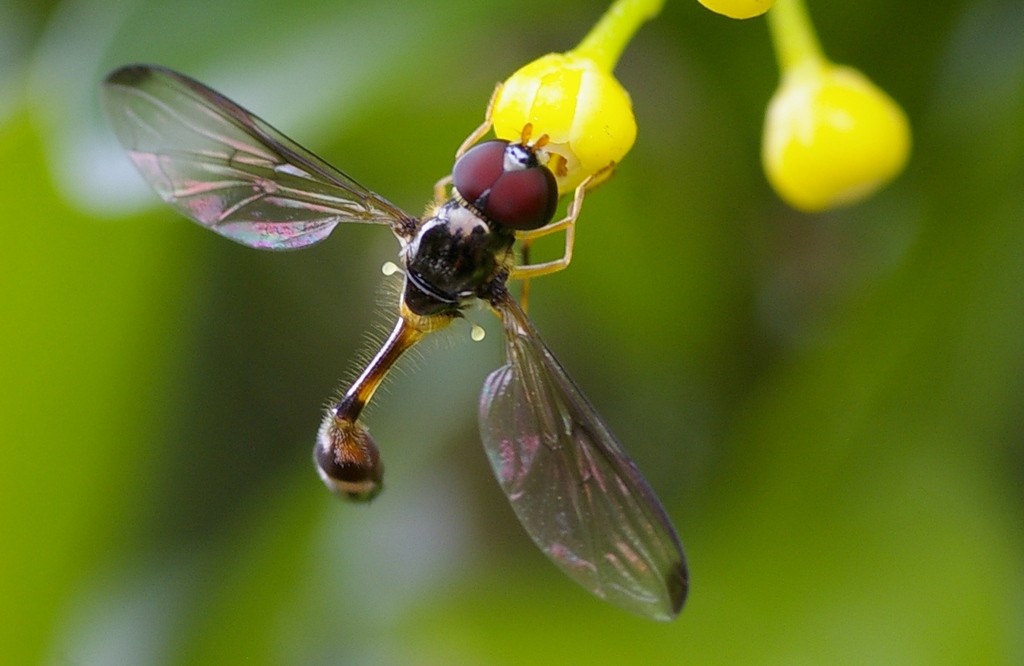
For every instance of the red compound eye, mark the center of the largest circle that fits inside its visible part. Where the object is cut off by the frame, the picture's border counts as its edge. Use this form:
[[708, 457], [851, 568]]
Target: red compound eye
[[523, 200], [506, 184], [478, 168]]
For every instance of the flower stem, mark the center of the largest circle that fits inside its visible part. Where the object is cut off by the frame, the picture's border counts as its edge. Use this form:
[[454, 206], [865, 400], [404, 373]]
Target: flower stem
[[793, 35], [609, 36]]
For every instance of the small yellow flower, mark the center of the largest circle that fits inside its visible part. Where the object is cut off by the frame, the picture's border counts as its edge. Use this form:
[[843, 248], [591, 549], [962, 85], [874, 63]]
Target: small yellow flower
[[585, 112], [576, 101], [831, 137], [738, 9]]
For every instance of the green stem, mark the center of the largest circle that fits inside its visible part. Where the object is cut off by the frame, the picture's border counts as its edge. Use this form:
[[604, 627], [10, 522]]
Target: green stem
[[609, 36], [793, 35]]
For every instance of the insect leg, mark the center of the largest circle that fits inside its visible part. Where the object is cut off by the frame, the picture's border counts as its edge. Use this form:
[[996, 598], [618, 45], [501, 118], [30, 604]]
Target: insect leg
[[484, 127], [441, 190], [568, 224]]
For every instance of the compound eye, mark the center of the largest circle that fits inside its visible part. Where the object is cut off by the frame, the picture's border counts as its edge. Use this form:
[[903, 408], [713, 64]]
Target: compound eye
[[524, 199], [478, 169]]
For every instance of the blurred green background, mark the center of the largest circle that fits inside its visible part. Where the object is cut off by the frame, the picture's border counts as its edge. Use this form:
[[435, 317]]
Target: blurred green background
[[831, 407]]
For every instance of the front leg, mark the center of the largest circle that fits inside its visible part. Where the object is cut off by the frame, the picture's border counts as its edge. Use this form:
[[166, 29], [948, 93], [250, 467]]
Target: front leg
[[441, 187], [484, 127], [568, 223], [441, 190]]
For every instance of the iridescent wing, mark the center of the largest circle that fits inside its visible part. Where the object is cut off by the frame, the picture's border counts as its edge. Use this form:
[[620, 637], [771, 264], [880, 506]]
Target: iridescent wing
[[573, 487], [228, 170]]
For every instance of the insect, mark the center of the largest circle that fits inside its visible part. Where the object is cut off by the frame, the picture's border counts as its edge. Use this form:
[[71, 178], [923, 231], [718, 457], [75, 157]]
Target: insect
[[575, 490]]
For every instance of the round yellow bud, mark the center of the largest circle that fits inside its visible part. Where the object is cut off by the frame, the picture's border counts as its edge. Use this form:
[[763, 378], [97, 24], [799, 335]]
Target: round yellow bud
[[831, 137], [585, 112], [738, 9]]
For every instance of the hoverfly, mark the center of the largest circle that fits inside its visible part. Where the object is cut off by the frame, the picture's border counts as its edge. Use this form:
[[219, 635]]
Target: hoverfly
[[572, 485]]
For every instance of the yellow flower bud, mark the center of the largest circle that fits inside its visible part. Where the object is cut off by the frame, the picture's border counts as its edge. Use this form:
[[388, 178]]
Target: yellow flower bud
[[831, 137], [738, 9], [581, 107]]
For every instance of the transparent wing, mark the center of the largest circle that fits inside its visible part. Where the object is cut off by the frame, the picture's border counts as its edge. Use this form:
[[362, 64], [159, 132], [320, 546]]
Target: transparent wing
[[573, 487], [228, 170]]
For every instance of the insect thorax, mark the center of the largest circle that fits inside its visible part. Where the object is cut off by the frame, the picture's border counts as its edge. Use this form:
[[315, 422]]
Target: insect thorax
[[453, 259]]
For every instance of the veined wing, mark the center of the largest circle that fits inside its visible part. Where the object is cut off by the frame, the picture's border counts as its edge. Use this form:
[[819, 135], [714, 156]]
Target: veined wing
[[230, 171], [573, 487]]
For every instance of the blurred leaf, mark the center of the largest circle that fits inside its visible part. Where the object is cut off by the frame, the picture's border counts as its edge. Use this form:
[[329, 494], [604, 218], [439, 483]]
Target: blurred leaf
[[83, 309]]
